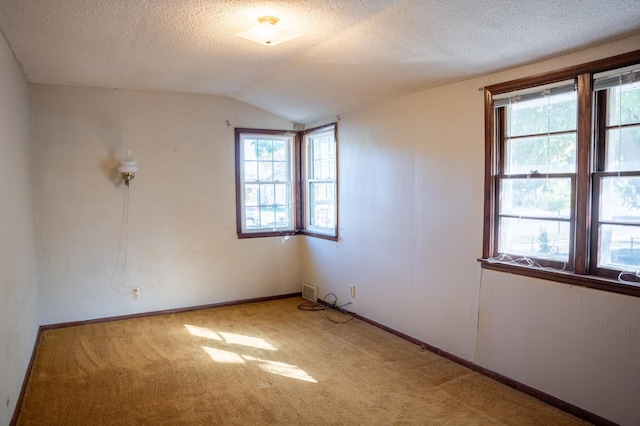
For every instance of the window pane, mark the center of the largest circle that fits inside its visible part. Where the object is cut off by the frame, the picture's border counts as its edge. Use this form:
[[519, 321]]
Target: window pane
[[539, 197], [554, 154], [250, 171], [274, 217], [265, 149], [250, 149], [251, 195], [535, 238], [333, 168], [543, 115], [322, 204], [322, 158], [619, 247], [281, 194], [252, 217], [317, 148], [322, 216], [274, 207], [265, 171], [624, 104], [267, 194], [623, 148], [321, 169], [620, 199], [267, 216], [280, 171], [321, 193], [279, 150]]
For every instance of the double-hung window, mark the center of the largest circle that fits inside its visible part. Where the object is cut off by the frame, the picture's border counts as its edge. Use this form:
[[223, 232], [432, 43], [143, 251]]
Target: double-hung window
[[537, 173], [266, 181], [286, 182], [320, 181], [562, 175], [616, 229]]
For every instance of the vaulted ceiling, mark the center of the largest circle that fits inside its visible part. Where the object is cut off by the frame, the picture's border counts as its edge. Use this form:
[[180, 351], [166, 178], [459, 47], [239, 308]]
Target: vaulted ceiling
[[351, 53]]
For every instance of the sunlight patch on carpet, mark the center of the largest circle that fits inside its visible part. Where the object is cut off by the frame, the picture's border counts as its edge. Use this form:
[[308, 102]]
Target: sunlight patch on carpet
[[253, 342], [202, 332], [282, 369], [218, 355], [231, 338]]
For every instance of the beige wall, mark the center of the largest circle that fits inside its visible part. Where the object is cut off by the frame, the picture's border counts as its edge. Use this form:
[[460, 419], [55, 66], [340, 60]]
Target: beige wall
[[18, 259], [411, 211], [181, 247]]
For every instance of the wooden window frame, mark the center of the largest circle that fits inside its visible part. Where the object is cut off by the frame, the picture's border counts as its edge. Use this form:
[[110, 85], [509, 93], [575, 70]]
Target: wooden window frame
[[304, 161], [239, 132], [589, 143], [298, 171]]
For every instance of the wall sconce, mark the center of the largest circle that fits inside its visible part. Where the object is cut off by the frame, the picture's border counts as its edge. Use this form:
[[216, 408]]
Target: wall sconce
[[128, 168], [266, 32]]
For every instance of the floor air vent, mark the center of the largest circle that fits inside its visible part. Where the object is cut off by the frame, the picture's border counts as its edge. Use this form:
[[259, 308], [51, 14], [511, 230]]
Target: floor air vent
[[310, 292]]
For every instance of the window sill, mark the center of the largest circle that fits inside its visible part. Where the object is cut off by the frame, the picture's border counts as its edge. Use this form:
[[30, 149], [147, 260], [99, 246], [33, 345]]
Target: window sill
[[590, 281], [319, 235], [287, 234]]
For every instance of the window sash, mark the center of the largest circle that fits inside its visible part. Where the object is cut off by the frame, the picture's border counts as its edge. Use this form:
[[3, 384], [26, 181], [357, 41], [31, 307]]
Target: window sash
[[537, 192], [531, 223], [614, 78], [610, 226], [533, 93]]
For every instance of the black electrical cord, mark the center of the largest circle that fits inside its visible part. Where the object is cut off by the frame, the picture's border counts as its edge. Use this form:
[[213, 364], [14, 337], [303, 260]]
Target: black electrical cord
[[311, 306], [330, 303]]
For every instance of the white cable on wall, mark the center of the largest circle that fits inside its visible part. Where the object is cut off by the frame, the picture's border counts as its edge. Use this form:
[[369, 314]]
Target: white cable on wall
[[123, 248]]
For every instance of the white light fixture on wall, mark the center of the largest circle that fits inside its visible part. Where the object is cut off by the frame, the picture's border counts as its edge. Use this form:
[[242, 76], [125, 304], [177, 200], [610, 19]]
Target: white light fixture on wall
[[267, 33], [128, 168]]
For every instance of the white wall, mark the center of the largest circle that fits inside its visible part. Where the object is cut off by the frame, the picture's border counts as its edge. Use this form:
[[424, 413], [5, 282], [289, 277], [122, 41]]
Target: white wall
[[578, 344], [411, 175], [181, 247], [411, 211], [18, 259], [402, 175]]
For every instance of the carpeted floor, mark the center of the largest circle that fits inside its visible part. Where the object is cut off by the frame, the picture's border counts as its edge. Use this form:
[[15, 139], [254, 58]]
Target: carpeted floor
[[256, 364]]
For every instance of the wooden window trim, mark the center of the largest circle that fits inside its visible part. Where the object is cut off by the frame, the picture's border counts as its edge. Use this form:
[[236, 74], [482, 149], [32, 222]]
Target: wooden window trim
[[582, 257], [303, 187], [299, 190], [590, 281], [582, 204], [259, 234]]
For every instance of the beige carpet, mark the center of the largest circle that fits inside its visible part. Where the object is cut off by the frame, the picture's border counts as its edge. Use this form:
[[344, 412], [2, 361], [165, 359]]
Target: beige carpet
[[259, 363]]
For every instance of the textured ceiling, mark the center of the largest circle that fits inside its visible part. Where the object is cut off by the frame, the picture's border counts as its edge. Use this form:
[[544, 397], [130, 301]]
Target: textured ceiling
[[351, 52]]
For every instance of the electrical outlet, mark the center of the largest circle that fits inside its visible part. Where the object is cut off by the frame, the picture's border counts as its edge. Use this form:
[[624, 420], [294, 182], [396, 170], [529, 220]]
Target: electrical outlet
[[135, 292], [352, 290]]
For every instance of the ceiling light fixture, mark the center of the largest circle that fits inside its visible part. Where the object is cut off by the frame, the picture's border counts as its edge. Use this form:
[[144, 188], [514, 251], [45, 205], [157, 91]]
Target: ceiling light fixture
[[267, 33]]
